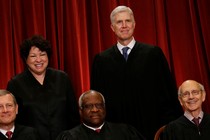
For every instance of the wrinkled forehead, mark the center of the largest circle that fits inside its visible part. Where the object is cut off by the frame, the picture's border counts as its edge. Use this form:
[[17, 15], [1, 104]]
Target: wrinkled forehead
[[92, 98], [123, 14], [6, 99], [190, 85]]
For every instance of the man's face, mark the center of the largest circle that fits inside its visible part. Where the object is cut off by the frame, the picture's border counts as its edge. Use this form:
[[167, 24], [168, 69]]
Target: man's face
[[8, 110], [93, 110], [192, 96], [123, 26]]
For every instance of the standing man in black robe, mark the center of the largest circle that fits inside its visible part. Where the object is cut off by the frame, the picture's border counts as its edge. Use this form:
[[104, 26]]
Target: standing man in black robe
[[140, 89], [191, 95]]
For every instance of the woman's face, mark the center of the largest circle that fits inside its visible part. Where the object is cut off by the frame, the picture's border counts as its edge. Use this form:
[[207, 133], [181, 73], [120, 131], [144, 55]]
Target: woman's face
[[37, 61]]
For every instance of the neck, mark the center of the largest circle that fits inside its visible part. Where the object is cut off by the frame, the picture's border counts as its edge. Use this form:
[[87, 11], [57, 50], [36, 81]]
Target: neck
[[126, 41], [196, 113], [7, 127], [39, 77]]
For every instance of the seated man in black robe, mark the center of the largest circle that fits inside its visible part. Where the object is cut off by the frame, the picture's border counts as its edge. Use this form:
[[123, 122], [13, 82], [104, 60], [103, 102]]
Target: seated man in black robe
[[8, 128], [94, 127], [191, 95]]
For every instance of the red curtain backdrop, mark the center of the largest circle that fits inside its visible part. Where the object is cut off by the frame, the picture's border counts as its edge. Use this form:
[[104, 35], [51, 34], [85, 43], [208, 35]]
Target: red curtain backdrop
[[78, 29]]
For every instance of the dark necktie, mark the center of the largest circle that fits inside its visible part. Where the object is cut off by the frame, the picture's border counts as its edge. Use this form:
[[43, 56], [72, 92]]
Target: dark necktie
[[196, 121], [9, 135], [125, 54], [98, 130]]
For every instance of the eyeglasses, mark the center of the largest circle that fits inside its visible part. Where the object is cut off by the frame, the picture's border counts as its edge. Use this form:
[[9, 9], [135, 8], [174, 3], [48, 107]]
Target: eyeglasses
[[186, 94], [90, 106]]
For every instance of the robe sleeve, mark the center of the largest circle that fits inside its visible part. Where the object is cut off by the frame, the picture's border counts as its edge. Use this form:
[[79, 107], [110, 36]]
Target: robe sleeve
[[66, 135]]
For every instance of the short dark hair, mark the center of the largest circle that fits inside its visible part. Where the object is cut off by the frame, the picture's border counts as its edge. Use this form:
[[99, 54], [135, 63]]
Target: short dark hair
[[35, 40]]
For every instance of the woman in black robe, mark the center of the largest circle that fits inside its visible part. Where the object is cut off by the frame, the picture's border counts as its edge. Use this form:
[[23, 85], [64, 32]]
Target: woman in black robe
[[45, 95]]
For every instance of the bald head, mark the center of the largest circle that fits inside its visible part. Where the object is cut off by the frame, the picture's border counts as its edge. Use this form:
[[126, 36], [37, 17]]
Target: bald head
[[188, 84]]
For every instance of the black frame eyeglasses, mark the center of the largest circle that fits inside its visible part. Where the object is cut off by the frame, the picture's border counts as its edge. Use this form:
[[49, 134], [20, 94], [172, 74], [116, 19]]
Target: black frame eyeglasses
[[91, 106]]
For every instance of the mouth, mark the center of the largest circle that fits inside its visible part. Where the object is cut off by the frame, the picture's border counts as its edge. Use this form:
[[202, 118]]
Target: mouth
[[125, 31], [95, 116], [192, 102], [5, 116], [38, 65]]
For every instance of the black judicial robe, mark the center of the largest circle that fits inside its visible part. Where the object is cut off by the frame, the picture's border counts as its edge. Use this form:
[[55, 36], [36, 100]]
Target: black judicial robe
[[109, 131], [22, 133], [50, 108], [141, 91], [184, 129]]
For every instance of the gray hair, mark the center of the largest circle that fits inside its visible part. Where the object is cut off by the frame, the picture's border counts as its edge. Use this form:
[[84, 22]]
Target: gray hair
[[5, 92], [120, 9], [80, 101], [199, 85]]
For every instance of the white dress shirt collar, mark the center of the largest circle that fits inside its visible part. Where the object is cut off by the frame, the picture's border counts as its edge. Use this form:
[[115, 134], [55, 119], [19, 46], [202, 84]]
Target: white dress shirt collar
[[130, 45], [93, 127], [5, 131], [190, 117]]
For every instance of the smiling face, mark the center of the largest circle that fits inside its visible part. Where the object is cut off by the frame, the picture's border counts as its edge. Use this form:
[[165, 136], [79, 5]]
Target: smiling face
[[93, 110], [37, 61], [8, 111], [123, 25], [196, 96]]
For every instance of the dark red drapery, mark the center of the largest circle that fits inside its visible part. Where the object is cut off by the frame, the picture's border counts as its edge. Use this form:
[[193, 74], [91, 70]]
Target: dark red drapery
[[78, 29]]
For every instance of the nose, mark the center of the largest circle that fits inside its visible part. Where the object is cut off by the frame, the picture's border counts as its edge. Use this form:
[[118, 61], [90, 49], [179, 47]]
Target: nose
[[4, 109], [191, 95], [124, 24], [38, 58]]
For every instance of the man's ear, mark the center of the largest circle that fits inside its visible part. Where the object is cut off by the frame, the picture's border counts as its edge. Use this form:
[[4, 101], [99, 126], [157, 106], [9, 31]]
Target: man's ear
[[112, 27], [80, 111], [16, 109], [203, 96], [180, 100]]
